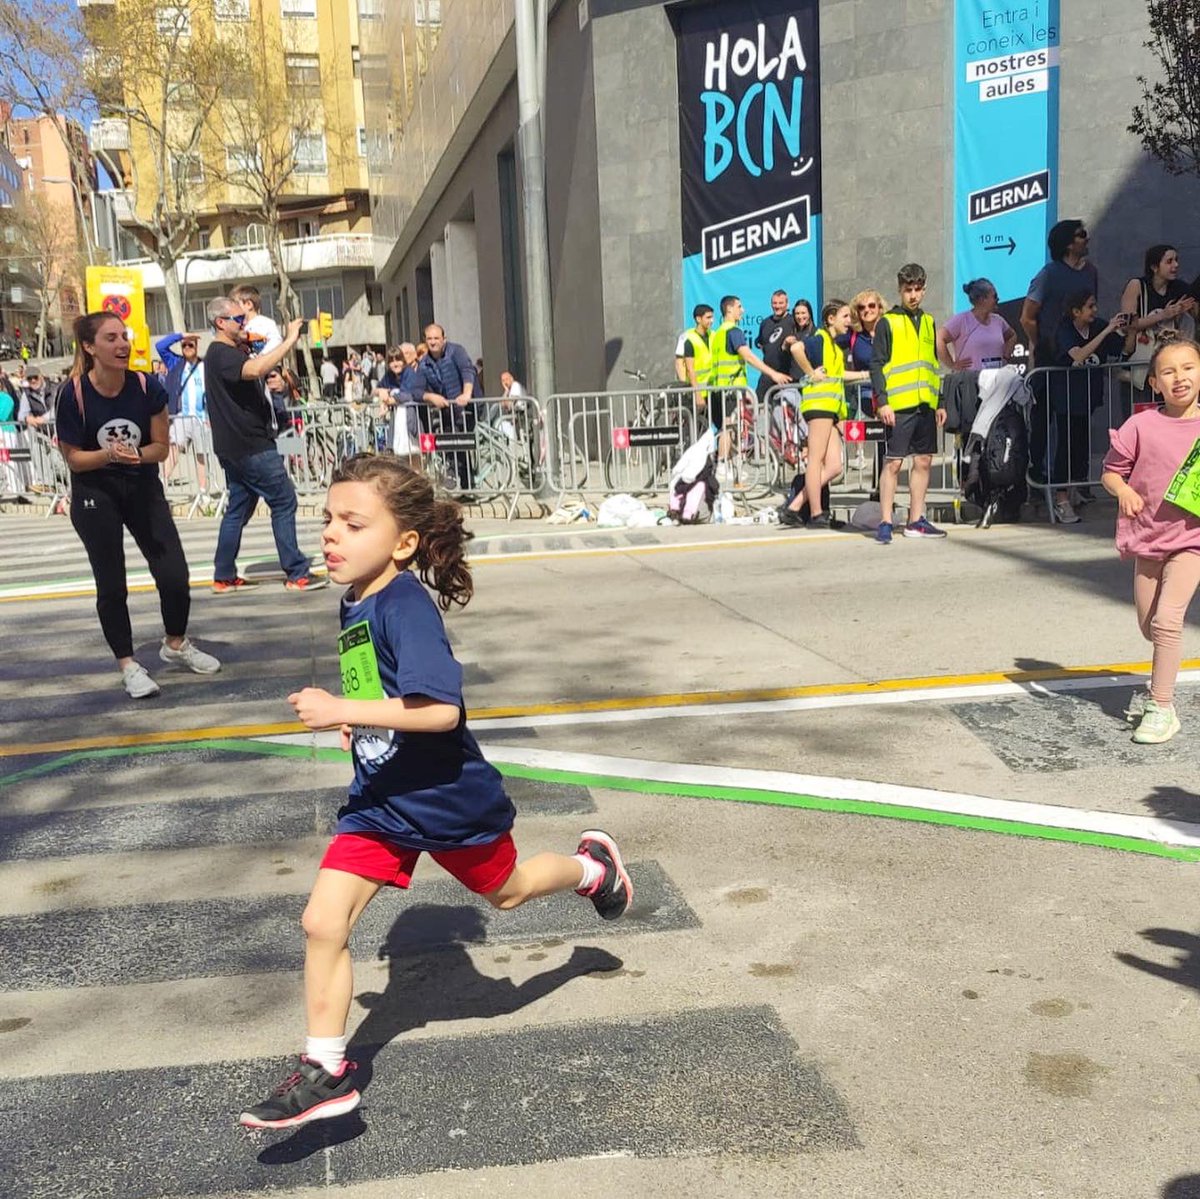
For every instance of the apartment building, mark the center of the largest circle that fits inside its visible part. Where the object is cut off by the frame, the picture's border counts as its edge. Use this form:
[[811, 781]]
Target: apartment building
[[52, 158], [710, 147], [309, 50]]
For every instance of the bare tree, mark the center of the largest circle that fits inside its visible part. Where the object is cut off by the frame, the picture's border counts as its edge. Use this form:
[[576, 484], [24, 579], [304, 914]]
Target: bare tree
[[1168, 118], [278, 132], [42, 47], [46, 252], [161, 68]]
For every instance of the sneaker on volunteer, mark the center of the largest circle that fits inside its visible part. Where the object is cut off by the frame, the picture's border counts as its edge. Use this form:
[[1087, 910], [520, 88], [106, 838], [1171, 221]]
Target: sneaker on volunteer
[[309, 1093], [921, 527], [189, 657], [1159, 723], [883, 532], [138, 683]]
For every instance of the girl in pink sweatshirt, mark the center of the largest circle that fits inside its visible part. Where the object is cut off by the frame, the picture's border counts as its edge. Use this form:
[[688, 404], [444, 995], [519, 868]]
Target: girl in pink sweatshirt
[[1162, 538]]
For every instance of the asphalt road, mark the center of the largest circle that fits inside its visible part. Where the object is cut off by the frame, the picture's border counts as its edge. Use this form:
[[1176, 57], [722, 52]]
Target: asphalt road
[[808, 998]]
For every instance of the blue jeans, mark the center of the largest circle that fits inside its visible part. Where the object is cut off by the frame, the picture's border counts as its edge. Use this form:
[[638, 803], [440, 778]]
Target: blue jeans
[[259, 476]]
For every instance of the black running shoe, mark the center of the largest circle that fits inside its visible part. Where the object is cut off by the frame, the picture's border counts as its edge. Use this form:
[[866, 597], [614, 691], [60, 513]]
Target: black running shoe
[[613, 894], [820, 521], [311, 1093], [789, 518]]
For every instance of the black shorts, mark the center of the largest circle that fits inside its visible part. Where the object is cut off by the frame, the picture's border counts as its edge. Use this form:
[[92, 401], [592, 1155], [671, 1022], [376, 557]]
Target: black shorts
[[915, 432], [723, 405], [817, 414]]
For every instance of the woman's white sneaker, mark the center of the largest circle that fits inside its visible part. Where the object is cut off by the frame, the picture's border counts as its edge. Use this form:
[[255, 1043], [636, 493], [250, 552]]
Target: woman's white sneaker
[[138, 683], [189, 657]]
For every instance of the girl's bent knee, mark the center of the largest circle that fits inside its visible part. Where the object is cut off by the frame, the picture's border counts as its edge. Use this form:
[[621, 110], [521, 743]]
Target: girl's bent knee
[[324, 926]]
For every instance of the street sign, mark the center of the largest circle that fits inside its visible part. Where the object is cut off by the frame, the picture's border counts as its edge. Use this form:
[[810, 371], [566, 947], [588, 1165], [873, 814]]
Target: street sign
[[7, 455], [632, 438], [436, 443], [863, 430]]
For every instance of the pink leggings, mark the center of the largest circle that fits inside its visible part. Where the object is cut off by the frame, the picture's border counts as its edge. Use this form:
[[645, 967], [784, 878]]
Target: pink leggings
[[1162, 590]]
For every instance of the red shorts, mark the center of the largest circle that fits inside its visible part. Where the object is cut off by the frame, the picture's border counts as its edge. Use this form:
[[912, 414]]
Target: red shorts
[[480, 868]]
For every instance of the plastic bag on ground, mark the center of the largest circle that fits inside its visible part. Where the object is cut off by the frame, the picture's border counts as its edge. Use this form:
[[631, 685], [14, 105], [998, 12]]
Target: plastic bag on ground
[[620, 511]]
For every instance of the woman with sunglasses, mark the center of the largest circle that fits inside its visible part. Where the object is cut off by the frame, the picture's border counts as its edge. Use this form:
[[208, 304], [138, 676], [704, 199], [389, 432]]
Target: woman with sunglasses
[[978, 337]]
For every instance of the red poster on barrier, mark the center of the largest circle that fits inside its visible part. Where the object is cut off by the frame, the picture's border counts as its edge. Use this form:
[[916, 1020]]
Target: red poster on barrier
[[428, 443], [856, 430], [620, 438]]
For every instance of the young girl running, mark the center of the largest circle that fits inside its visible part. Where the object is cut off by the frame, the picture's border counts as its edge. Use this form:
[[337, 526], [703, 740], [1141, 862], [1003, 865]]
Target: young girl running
[[1162, 538], [421, 783]]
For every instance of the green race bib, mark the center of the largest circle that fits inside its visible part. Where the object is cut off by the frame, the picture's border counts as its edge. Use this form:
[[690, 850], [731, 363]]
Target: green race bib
[[1184, 489], [360, 667]]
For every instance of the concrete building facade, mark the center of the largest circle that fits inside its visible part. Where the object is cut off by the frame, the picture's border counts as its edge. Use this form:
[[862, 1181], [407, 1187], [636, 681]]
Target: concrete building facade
[[446, 185]]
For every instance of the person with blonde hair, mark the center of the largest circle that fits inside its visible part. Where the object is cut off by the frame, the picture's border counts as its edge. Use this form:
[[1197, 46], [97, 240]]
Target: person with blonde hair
[[865, 310]]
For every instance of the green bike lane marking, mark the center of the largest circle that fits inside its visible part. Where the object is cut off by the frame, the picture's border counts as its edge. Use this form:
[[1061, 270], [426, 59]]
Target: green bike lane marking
[[710, 791]]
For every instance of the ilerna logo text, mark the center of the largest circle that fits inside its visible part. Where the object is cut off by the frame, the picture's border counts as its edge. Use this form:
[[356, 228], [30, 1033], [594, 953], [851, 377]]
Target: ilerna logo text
[[1008, 197], [756, 233]]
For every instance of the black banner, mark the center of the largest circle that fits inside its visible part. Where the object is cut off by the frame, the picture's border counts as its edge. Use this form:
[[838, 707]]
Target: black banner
[[750, 163]]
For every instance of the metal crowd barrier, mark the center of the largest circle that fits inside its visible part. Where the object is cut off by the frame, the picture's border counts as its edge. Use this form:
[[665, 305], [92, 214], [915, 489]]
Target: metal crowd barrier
[[605, 443], [1074, 408]]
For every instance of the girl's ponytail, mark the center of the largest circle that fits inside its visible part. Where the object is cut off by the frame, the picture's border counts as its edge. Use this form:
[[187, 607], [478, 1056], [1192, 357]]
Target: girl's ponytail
[[442, 555]]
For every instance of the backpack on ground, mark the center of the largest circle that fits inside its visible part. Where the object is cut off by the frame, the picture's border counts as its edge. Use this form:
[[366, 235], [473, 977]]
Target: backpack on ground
[[994, 466], [692, 500]]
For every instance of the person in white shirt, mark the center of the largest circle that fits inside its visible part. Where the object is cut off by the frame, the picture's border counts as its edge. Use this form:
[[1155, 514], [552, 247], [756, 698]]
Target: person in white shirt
[[329, 378], [261, 331], [512, 389]]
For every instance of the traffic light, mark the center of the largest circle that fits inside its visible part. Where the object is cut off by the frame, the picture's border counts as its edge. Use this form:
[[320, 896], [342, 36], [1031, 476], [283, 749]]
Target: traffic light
[[326, 320]]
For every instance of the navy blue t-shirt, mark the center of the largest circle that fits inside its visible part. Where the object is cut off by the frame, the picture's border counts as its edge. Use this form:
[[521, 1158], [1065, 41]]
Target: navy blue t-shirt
[[430, 791], [106, 420]]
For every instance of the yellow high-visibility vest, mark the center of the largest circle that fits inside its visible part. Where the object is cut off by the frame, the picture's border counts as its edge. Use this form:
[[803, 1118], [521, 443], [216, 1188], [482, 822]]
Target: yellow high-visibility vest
[[702, 358], [828, 394], [728, 369], [911, 373]]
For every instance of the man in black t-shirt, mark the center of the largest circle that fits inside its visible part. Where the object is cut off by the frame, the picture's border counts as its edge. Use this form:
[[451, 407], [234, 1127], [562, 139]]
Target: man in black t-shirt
[[244, 440], [773, 333]]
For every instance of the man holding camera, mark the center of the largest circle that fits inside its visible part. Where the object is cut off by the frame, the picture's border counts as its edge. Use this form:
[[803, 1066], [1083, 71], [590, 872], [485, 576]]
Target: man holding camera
[[244, 440]]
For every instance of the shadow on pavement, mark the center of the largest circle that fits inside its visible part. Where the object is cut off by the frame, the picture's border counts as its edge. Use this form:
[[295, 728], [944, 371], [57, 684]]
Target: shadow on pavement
[[427, 986], [1184, 971], [1187, 1186], [1174, 803]]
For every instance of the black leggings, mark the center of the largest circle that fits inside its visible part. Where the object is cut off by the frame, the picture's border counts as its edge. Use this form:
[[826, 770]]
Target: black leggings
[[103, 504]]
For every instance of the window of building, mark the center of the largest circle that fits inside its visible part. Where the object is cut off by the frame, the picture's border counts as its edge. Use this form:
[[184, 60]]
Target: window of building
[[356, 61], [204, 236], [321, 297], [375, 304], [310, 153], [429, 13], [240, 160], [362, 141], [303, 71], [187, 168], [370, 10], [173, 20], [298, 8], [308, 226], [231, 10], [248, 237]]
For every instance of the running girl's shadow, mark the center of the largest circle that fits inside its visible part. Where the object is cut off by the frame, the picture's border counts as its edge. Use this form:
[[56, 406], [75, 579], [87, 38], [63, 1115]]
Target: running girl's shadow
[[430, 978]]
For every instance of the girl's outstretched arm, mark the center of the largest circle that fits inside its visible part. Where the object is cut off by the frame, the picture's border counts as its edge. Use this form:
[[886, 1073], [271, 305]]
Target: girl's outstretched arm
[[409, 714]]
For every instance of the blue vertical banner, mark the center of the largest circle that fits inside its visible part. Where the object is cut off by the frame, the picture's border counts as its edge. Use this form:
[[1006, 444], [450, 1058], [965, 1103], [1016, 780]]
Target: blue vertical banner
[[750, 152], [1005, 140]]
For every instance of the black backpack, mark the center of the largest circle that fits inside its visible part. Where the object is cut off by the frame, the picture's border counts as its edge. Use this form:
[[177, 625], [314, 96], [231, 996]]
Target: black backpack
[[994, 467]]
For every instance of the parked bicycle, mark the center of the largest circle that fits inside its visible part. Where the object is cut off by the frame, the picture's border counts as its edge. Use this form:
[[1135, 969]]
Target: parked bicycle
[[646, 468]]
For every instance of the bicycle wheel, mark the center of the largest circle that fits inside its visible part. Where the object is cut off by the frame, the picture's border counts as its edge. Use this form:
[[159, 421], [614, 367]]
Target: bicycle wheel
[[494, 466], [631, 470]]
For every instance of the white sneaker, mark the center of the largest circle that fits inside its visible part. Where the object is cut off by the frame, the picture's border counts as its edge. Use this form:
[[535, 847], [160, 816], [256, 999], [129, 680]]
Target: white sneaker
[[189, 657], [1064, 513], [1136, 708], [724, 472], [138, 683]]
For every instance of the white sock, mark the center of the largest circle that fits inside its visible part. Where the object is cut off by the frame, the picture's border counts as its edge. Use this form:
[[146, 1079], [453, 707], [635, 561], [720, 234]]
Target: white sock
[[328, 1052], [593, 872]]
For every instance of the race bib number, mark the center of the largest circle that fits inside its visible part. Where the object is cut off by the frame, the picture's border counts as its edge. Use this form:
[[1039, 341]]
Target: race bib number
[[1184, 488], [360, 680], [360, 666]]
